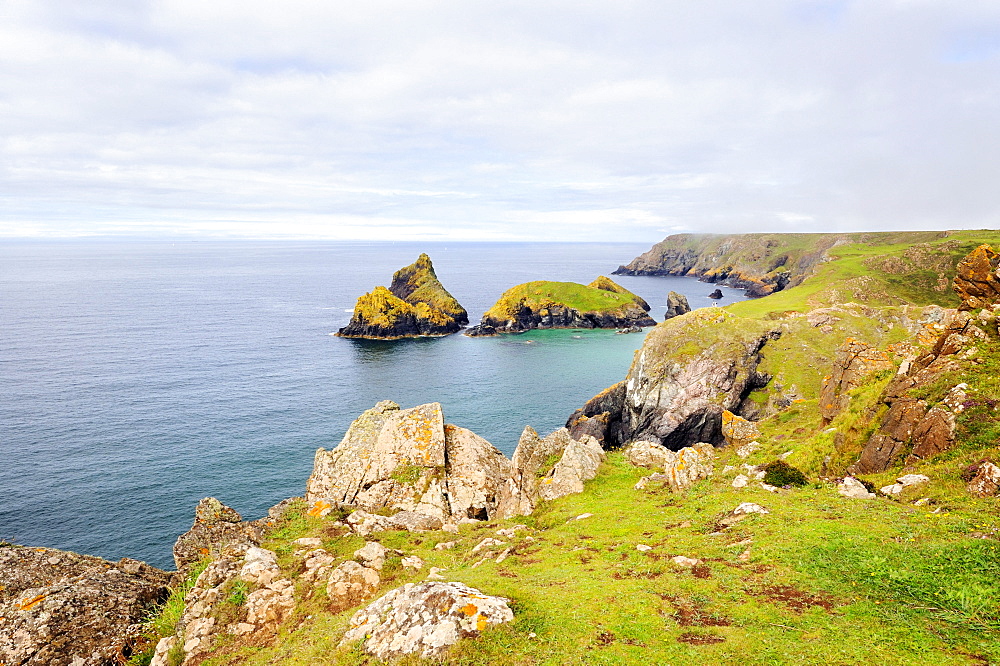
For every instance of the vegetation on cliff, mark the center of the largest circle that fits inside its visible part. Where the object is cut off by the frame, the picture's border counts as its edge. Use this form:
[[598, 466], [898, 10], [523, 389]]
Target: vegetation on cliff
[[416, 304], [547, 304]]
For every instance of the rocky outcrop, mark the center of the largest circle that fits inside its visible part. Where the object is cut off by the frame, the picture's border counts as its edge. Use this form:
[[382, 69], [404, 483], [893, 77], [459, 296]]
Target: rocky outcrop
[[218, 531], [416, 304], [717, 294], [424, 619], [544, 468], [978, 278], [689, 371], [855, 361], [410, 462], [541, 304], [986, 482], [677, 304], [738, 431], [63, 609], [680, 469], [910, 431], [601, 417]]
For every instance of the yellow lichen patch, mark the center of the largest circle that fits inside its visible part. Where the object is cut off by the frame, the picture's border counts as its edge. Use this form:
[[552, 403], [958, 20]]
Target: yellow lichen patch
[[318, 507], [481, 623], [28, 604], [470, 609]]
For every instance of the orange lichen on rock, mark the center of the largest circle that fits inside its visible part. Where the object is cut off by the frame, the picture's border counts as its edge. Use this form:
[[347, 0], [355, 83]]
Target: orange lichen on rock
[[28, 604], [977, 281], [318, 508]]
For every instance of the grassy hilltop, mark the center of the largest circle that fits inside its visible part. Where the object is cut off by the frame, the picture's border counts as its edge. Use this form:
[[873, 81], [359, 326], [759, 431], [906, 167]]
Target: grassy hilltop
[[820, 579]]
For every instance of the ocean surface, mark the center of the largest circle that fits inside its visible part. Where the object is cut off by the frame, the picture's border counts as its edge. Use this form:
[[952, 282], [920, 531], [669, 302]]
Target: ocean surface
[[138, 377]]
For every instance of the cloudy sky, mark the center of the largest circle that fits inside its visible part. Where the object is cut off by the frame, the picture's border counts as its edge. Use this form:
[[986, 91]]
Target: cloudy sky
[[545, 120]]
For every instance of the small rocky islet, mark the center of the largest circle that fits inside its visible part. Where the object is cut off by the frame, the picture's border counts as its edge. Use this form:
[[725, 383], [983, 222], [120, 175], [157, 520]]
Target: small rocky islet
[[416, 304], [546, 304], [800, 461]]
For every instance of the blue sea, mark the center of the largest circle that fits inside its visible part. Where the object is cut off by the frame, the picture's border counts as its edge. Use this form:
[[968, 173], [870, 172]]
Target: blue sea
[[138, 377]]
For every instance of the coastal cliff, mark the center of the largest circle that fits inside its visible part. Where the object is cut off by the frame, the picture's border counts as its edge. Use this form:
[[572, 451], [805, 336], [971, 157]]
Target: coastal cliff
[[416, 304], [541, 304], [835, 479], [759, 263]]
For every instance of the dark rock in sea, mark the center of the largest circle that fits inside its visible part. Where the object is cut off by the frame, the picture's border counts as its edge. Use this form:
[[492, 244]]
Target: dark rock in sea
[[542, 304], [481, 331], [64, 609], [717, 294], [415, 305], [677, 304]]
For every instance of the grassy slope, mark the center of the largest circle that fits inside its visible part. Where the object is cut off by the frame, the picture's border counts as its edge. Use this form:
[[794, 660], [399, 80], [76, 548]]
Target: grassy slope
[[542, 294], [826, 579]]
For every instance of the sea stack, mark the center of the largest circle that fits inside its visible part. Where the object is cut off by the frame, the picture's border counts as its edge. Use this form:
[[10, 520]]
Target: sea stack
[[415, 305], [677, 304], [544, 304]]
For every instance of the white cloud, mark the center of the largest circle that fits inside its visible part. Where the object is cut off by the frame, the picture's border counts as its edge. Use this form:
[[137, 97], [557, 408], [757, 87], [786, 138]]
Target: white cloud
[[521, 120]]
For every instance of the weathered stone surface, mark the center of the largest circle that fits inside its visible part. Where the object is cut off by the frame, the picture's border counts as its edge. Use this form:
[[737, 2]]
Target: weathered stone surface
[[366, 524], [649, 454], [268, 607], [740, 481], [677, 304], [675, 395], [196, 629], [601, 417], [854, 362], [217, 531], [476, 471], [681, 469], [902, 483], [978, 278], [737, 431], [425, 619], [851, 487], [350, 584], [579, 462], [986, 482], [933, 435], [260, 566], [64, 609], [546, 468], [410, 461], [747, 508], [413, 521], [372, 555]]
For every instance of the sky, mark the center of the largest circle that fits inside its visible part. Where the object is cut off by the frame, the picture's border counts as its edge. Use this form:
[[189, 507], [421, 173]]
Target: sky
[[505, 120]]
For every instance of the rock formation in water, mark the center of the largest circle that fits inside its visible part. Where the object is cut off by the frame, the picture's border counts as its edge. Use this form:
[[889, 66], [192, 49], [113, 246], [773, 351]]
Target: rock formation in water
[[677, 304], [601, 304], [416, 304], [717, 294], [63, 609]]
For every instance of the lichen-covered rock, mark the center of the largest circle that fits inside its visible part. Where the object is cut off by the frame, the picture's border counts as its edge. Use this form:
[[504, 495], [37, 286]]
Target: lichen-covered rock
[[854, 362], [601, 417], [409, 460], [903, 482], [986, 482], [648, 454], [64, 609], [977, 280], [218, 530], [425, 619], [681, 469], [416, 304], [538, 463], [372, 555], [689, 371], [737, 431], [350, 584], [677, 304], [546, 304], [851, 487]]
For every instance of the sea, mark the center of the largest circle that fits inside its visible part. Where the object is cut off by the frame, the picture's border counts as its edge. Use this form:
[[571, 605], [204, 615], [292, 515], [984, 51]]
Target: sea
[[137, 377]]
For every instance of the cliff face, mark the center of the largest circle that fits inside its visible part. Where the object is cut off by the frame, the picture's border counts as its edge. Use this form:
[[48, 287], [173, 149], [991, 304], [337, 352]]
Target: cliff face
[[689, 371], [541, 304], [759, 263], [416, 304]]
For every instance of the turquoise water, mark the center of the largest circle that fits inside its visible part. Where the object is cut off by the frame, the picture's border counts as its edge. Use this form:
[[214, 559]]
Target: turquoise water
[[137, 378]]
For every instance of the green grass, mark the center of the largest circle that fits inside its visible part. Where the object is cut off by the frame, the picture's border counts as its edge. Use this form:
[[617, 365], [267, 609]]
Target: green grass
[[543, 294], [827, 580]]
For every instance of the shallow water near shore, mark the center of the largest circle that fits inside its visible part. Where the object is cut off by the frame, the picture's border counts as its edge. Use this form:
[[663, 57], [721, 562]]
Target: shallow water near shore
[[138, 377]]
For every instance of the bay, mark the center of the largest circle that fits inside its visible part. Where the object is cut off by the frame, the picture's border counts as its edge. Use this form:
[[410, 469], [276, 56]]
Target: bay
[[138, 377]]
